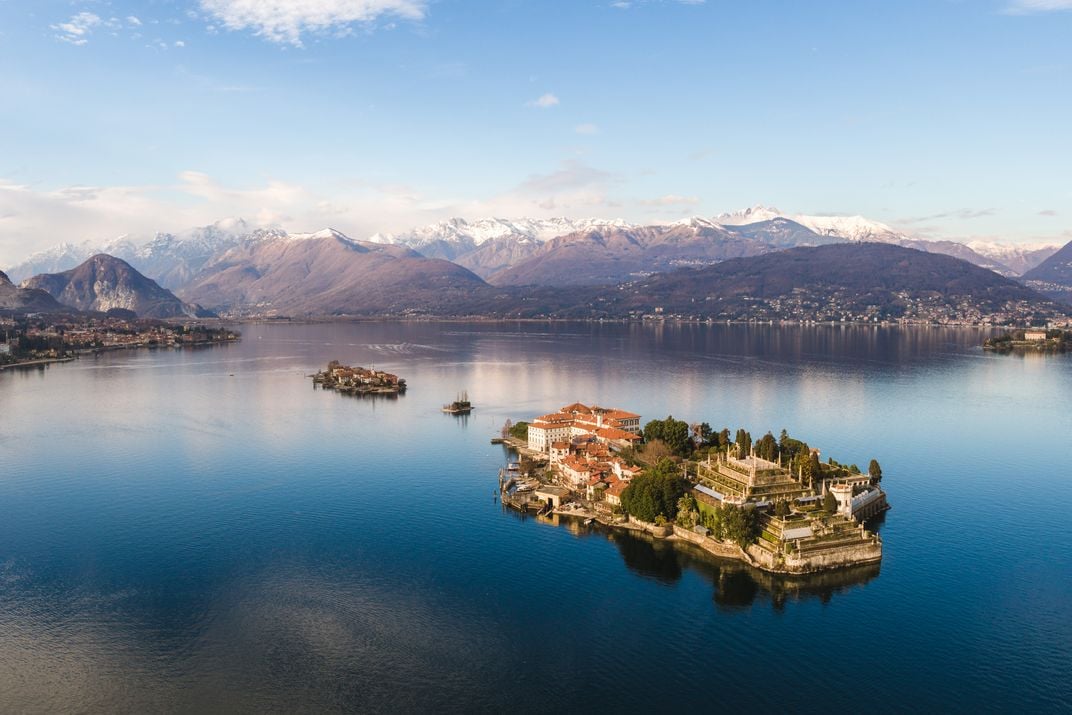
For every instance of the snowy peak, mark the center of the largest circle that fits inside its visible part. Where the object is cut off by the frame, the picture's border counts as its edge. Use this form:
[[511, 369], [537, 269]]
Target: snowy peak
[[322, 233], [753, 214], [478, 232], [849, 228], [698, 222]]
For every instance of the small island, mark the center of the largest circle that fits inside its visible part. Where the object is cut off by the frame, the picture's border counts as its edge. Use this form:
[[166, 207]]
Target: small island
[[358, 380], [1031, 340], [460, 406], [772, 504]]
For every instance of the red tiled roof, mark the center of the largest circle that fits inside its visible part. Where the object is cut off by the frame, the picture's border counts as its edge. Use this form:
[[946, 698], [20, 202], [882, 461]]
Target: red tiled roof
[[615, 433], [616, 414]]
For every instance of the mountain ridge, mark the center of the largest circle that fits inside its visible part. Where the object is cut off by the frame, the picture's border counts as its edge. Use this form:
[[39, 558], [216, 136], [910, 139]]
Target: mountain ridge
[[103, 282], [491, 246]]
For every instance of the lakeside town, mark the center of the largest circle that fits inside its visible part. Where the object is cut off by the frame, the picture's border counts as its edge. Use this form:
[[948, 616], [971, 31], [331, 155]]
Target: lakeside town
[[772, 504], [39, 340]]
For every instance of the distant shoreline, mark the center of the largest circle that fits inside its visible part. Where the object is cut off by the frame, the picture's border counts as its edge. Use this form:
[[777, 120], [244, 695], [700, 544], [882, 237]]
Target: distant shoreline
[[323, 320]]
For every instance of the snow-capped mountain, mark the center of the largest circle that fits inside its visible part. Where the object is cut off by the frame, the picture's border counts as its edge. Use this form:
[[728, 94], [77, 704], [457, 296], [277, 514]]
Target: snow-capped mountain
[[171, 259], [753, 214], [861, 229], [848, 228], [1018, 257], [494, 246], [53, 260], [476, 233]]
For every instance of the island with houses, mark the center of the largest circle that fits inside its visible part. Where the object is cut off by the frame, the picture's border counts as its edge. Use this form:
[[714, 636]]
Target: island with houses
[[1031, 340], [358, 380], [773, 504]]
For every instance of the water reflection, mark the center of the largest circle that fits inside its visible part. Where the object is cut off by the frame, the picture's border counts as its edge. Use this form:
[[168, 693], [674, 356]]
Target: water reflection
[[737, 586]]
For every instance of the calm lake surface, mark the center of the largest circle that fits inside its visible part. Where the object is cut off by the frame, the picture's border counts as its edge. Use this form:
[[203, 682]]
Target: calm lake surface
[[202, 530]]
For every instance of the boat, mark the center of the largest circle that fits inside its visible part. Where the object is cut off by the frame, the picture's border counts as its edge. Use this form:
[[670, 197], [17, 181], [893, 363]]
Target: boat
[[460, 406]]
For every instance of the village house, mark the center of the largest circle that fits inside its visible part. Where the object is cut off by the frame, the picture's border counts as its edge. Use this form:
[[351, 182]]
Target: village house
[[582, 444], [614, 427]]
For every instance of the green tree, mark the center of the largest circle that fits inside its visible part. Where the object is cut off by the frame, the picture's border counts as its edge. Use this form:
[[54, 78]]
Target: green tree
[[687, 511], [655, 492], [829, 503], [874, 471], [738, 524], [767, 448], [675, 433], [816, 467], [520, 430], [744, 443], [781, 509]]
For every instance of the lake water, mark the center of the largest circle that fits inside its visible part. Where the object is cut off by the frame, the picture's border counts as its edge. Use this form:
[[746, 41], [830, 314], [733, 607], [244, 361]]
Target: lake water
[[202, 530]]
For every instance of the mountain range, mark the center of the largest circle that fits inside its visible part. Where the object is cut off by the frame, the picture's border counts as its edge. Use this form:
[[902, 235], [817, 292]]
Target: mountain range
[[327, 274], [543, 251]]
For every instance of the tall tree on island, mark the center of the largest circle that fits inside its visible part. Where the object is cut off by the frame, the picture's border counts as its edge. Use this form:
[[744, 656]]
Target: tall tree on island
[[875, 471], [767, 447], [744, 443]]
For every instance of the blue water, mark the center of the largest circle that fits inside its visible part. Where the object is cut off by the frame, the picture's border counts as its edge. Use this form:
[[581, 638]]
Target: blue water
[[203, 531]]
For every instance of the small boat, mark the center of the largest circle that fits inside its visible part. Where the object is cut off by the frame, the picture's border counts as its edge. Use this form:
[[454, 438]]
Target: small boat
[[460, 406], [588, 522]]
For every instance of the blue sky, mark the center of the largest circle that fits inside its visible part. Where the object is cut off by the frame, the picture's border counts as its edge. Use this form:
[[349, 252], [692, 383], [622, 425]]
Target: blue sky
[[945, 118]]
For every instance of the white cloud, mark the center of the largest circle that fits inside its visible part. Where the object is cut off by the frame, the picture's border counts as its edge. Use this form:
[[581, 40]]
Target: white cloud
[[34, 219], [180, 43], [544, 101], [76, 30], [285, 21], [1023, 7], [133, 21], [586, 128], [671, 200]]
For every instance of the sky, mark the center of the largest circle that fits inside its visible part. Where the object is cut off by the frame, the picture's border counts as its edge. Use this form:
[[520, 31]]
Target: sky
[[942, 118]]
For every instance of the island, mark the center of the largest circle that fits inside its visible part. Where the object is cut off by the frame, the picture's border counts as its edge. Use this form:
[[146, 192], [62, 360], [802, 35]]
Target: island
[[772, 504], [460, 406], [358, 380], [1031, 340]]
